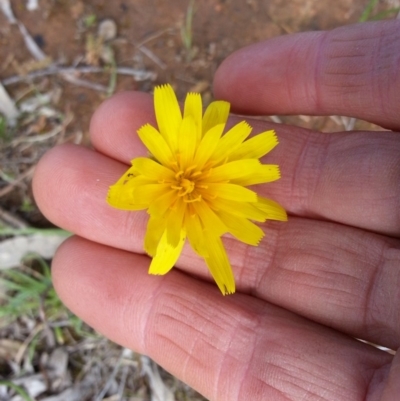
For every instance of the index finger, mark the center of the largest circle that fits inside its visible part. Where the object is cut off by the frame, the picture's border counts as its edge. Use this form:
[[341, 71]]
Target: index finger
[[351, 71]]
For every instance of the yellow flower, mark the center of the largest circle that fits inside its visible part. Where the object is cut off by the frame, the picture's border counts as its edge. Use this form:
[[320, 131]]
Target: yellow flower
[[194, 184]]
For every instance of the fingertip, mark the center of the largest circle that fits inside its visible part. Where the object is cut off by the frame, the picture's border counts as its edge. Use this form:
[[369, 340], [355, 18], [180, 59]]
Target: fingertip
[[114, 124], [94, 282], [222, 76], [317, 73], [61, 272], [228, 78], [266, 78], [47, 171]]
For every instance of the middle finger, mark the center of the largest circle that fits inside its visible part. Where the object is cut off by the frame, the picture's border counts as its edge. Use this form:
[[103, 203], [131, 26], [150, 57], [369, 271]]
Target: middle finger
[[339, 276], [351, 178]]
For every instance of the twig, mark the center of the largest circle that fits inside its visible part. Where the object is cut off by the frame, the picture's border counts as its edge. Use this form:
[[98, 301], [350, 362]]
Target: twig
[[33, 48], [7, 106], [138, 75], [336, 120], [16, 223], [122, 383], [153, 57], [12, 185], [348, 123], [42, 137], [25, 344], [31, 45], [81, 82], [111, 378], [154, 36], [7, 11], [159, 391], [51, 341], [275, 119]]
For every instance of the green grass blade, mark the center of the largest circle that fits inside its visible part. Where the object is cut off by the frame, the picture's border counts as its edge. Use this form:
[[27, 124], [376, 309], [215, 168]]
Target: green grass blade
[[365, 16], [385, 13], [32, 230], [17, 389]]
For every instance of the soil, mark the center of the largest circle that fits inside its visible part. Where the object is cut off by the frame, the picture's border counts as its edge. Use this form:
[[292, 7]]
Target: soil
[[61, 29], [151, 37]]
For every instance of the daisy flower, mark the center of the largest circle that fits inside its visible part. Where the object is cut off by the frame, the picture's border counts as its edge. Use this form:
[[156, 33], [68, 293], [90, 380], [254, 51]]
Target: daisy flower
[[194, 184]]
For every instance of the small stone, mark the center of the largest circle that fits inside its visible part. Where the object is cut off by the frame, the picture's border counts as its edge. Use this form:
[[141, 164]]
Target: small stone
[[32, 5], [107, 29]]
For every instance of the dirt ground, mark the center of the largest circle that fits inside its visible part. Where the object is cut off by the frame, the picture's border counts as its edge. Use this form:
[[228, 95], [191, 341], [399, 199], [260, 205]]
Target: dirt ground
[[92, 49]]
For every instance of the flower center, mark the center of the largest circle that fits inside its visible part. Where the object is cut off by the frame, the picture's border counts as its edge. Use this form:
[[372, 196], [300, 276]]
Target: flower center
[[185, 184]]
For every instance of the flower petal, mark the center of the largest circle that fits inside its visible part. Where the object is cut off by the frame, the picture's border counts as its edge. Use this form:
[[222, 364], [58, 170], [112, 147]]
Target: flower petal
[[121, 197], [233, 170], [241, 209], [154, 232], [147, 193], [159, 206], [151, 169], [175, 222], [156, 144], [231, 140], [210, 221], [273, 210], [207, 146], [194, 109], [243, 229], [216, 113], [219, 266], [264, 173], [168, 114], [229, 191], [131, 179], [166, 255], [195, 233], [187, 142], [255, 147]]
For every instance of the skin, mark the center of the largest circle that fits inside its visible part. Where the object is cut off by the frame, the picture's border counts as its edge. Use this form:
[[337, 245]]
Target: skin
[[328, 275]]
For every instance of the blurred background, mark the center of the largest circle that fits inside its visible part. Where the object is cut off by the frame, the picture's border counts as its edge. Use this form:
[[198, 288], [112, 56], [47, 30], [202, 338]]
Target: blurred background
[[59, 59]]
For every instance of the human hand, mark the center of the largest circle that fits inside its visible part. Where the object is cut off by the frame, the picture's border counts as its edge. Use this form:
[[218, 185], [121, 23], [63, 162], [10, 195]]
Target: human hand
[[331, 273]]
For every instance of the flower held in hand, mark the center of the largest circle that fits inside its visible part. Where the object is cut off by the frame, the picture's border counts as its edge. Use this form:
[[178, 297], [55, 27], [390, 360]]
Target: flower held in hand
[[194, 184]]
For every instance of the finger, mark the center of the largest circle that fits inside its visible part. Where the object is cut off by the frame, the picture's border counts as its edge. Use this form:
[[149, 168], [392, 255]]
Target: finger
[[351, 178], [392, 388], [114, 125], [228, 348], [352, 71], [336, 275], [70, 187]]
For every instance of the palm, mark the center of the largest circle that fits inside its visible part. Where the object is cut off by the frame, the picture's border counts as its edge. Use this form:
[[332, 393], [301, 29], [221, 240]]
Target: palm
[[328, 275]]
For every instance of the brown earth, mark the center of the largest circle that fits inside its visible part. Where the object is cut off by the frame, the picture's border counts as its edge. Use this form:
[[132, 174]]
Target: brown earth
[[151, 38], [219, 28]]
